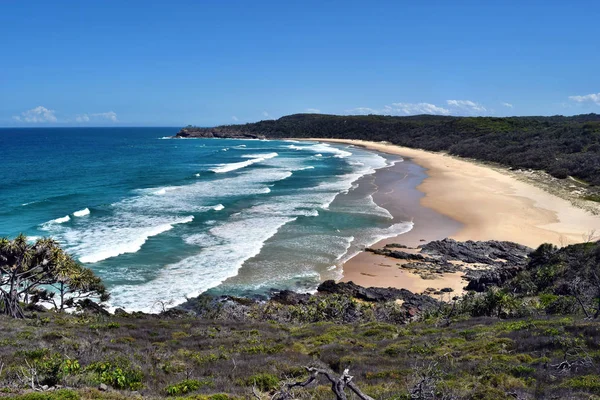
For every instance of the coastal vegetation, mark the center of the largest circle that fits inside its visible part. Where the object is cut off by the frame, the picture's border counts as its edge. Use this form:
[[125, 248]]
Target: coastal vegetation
[[561, 146], [40, 271], [534, 334]]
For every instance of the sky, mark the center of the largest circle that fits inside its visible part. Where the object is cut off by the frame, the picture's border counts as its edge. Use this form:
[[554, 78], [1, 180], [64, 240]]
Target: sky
[[177, 62]]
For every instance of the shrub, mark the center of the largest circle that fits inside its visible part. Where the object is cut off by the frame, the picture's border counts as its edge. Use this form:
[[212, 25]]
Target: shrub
[[184, 387], [117, 374], [590, 383], [562, 305], [61, 394], [394, 350], [263, 382]]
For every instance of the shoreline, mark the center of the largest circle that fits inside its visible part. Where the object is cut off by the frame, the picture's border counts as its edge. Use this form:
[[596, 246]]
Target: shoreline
[[488, 203]]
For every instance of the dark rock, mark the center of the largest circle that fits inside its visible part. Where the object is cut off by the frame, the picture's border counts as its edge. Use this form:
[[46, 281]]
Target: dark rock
[[490, 252], [447, 290], [218, 132], [119, 312], [395, 245], [401, 255], [88, 306], [289, 297], [176, 313], [439, 267], [495, 277], [374, 294]]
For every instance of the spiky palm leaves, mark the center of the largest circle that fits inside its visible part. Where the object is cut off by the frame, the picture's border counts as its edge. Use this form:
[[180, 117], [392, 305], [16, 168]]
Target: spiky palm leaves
[[30, 272]]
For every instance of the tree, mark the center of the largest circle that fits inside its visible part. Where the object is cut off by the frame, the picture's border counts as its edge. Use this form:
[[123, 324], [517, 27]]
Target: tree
[[30, 272]]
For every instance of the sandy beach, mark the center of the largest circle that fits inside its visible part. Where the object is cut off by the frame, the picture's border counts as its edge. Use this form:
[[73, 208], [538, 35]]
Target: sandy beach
[[485, 203]]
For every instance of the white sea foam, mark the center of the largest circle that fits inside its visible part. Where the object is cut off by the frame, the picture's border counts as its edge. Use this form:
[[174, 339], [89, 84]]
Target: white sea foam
[[218, 207], [262, 157], [60, 220], [82, 213], [320, 148], [364, 205], [222, 253], [111, 243], [349, 241], [129, 223], [254, 158]]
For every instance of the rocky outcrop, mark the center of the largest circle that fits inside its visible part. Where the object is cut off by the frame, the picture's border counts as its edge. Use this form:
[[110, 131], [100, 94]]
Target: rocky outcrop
[[401, 255], [371, 294], [333, 302], [505, 259], [494, 277], [223, 132], [485, 263], [491, 252]]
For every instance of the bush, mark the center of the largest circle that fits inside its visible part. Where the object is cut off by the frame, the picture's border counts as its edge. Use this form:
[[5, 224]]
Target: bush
[[263, 382], [562, 305], [117, 374], [590, 383], [62, 394], [184, 387], [394, 350]]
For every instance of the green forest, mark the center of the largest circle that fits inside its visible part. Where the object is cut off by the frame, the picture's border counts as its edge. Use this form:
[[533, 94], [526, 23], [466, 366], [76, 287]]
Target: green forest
[[561, 146]]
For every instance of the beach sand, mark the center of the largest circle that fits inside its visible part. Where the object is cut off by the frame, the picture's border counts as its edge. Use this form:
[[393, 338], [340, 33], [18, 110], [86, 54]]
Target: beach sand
[[466, 201]]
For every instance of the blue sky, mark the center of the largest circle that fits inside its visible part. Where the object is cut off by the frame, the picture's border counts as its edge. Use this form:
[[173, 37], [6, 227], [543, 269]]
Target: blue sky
[[173, 63]]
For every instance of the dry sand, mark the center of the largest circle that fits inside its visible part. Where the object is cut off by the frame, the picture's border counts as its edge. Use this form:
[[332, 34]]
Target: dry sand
[[487, 202]]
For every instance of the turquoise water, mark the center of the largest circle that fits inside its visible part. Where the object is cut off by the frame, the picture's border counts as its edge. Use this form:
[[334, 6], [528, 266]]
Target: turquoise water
[[163, 219]]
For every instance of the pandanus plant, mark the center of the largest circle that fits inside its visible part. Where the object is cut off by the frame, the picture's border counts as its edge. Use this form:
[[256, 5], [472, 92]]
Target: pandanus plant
[[42, 270]]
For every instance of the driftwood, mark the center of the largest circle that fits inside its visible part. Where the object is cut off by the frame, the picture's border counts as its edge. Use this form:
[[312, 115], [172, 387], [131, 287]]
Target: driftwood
[[338, 385], [573, 360]]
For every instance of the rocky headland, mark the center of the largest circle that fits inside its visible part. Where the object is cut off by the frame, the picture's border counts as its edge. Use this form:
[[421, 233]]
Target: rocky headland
[[220, 132]]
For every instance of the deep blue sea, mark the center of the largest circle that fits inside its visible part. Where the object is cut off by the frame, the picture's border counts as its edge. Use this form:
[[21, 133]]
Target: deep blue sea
[[163, 219]]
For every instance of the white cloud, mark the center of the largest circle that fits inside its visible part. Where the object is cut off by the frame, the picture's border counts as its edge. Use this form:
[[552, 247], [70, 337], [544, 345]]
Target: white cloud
[[507, 105], [466, 106], [402, 109], [110, 116], [36, 115], [588, 98], [454, 107], [362, 111], [82, 118], [234, 118], [415, 108], [267, 115], [313, 111]]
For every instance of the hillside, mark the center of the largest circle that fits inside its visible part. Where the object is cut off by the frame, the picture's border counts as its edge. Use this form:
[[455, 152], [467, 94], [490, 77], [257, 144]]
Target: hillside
[[530, 332], [562, 146]]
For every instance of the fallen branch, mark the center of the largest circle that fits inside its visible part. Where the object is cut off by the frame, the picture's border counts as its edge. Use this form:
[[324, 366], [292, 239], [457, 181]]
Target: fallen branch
[[338, 385], [579, 359]]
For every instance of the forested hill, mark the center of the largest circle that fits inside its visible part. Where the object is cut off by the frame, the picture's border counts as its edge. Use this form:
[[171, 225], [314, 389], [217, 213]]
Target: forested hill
[[560, 145]]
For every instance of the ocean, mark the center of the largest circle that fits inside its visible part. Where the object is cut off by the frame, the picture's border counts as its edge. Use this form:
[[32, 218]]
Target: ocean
[[161, 220]]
